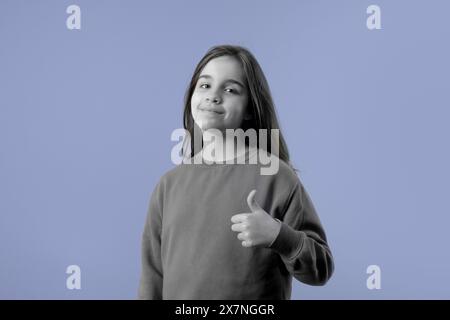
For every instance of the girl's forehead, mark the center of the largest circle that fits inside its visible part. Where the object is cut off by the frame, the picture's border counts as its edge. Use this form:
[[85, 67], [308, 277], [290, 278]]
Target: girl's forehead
[[223, 67]]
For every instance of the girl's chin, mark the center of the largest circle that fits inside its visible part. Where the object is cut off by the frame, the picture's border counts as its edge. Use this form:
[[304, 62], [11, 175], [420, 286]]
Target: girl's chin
[[206, 124], [206, 127]]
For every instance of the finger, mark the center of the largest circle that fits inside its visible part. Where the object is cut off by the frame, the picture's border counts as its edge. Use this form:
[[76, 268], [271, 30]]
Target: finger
[[239, 227], [240, 217], [246, 243], [251, 201], [242, 236]]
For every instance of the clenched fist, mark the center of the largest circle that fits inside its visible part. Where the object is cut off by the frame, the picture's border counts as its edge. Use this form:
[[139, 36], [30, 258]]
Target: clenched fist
[[257, 228]]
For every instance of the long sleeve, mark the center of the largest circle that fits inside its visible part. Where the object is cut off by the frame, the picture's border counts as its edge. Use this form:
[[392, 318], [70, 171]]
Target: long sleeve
[[151, 282], [301, 241]]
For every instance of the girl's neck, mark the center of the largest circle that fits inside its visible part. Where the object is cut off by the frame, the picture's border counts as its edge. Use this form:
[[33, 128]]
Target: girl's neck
[[217, 141]]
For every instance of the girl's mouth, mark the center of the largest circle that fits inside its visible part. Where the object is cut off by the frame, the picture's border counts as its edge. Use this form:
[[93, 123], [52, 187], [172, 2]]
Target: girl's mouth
[[211, 111]]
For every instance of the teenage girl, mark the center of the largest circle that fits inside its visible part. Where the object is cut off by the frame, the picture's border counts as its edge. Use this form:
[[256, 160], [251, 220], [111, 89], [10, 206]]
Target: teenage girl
[[221, 230]]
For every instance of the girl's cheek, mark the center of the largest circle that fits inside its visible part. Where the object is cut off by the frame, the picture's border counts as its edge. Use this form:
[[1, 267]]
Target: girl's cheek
[[193, 102], [195, 99]]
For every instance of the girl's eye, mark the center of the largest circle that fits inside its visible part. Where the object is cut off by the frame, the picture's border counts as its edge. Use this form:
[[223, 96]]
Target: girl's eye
[[206, 85]]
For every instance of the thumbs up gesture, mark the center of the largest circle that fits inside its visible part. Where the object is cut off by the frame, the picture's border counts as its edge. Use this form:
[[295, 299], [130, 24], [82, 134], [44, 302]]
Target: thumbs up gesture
[[257, 227]]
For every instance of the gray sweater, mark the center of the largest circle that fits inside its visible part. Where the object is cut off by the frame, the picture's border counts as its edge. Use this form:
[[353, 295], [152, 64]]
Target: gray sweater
[[190, 252]]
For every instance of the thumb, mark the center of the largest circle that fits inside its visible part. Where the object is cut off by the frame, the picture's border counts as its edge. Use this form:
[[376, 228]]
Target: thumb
[[251, 201]]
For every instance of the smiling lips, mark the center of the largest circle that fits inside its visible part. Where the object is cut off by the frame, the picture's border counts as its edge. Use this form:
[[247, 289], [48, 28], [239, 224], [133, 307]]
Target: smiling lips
[[210, 110]]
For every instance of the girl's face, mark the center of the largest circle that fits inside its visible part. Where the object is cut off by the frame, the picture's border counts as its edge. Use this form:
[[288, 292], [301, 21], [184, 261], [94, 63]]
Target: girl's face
[[220, 97]]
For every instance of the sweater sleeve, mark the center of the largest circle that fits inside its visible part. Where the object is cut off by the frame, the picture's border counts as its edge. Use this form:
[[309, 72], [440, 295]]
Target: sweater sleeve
[[301, 241], [151, 281]]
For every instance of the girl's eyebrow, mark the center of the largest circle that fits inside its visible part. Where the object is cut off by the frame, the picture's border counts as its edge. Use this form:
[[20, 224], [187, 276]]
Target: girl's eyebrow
[[207, 76]]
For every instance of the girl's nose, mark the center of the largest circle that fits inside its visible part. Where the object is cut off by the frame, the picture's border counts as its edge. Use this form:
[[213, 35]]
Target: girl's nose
[[214, 99]]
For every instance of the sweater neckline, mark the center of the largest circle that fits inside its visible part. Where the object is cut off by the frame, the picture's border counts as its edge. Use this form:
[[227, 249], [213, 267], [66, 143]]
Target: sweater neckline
[[249, 154]]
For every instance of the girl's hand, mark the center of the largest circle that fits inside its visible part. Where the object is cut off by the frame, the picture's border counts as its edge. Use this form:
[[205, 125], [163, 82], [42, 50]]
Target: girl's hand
[[256, 228]]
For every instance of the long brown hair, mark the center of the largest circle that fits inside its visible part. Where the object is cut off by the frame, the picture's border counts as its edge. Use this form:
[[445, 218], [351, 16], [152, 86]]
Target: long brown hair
[[260, 103]]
